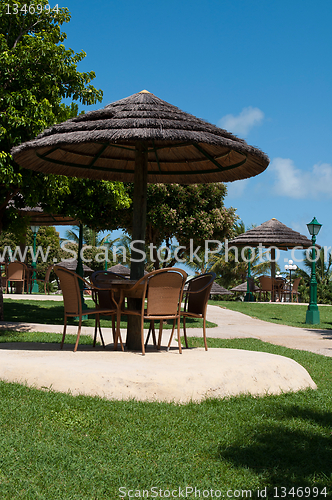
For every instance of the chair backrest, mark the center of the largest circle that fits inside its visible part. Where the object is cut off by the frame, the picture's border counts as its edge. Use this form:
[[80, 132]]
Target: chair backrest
[[164, 291], [16, 271], [198, 293], [295, 286], [266, 283], [70, 290], [103, 279]]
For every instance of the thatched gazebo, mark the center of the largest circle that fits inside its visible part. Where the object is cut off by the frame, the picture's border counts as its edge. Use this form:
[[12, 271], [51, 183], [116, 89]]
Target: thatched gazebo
[[272, 234], [38, 217], [120, 269], [141, 139], [242, 288], [219, 290]]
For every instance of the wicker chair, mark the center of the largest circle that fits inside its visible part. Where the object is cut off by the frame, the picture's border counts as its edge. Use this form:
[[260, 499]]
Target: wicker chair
[[266, 285], [293, 291], [103, 280], [196, 299], [162, 290], [70, 287], [17, 272]]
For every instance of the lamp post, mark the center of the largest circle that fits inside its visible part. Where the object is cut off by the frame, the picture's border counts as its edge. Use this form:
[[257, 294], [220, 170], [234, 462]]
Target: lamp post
[[290, 267], [34, 285], [312, 316], [106, 263], [249, 296]]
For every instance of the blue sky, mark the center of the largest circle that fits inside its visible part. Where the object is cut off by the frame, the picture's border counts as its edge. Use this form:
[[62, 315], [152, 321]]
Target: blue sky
[[260, 69]]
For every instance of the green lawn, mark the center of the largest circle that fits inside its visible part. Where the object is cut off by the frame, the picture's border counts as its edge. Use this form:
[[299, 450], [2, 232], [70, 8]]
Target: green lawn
[[55, 446], [284, 314], [51, 313]]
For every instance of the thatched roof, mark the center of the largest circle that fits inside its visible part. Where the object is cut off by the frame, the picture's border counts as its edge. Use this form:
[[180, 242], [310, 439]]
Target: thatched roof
[[243, 288], [180, 147], [71, 265], [271, 233], [219, 290], [120, 269], [38, 217]]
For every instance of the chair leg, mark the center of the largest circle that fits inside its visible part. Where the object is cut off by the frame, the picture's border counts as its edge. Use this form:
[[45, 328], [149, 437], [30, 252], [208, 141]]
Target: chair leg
[[78, 333], [185, 332], [160, 334], [171, 337], [95, 334], [117, 332], [142, 334], [97, 322], [204, 333], [64, 332], [151, 330], [179, 338]]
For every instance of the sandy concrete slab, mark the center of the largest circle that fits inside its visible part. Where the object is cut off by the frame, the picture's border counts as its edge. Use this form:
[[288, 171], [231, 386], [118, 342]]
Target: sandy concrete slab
[[162, 376]]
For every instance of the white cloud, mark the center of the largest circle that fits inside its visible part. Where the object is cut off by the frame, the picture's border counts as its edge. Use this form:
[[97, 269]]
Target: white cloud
[[244, 122], [295, 183]]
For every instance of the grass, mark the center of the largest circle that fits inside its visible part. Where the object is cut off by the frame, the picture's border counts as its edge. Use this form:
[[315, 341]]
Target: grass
[[42, 337], [284, 314], [51, 313], [55, 446]]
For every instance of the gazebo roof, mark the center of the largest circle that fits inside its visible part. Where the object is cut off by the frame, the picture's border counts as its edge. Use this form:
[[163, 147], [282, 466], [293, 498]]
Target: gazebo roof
[[219, 290], [40, 218], [271, 233], [243, 288], [120, 269], [180, 147]]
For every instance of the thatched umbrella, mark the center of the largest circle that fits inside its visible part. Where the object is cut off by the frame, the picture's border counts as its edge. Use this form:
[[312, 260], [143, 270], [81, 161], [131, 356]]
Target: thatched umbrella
[[219, 290], [38, 217], [271, 234], [141, 139], [120, 269], [243, 288]]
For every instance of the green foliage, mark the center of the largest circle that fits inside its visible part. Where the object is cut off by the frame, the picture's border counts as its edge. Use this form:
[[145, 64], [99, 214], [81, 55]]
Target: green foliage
[[36, 73], [47, 238], [184, 212]]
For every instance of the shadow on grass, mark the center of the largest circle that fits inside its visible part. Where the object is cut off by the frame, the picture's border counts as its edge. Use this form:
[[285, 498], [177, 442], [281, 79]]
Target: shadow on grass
[[295, 451], [50, 313]]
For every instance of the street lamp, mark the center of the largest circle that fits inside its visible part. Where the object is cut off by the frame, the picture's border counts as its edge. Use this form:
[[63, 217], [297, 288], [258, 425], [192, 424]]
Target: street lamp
[[34, 285], [249, 296], [290, 267], [106, 257], [312, 317]]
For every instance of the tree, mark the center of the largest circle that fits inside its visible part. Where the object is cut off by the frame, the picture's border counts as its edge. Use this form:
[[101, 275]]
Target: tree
[[36, 73], [192, 214]]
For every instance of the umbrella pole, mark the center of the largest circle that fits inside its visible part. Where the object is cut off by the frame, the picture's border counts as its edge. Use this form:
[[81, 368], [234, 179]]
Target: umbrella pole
[[133, 341]]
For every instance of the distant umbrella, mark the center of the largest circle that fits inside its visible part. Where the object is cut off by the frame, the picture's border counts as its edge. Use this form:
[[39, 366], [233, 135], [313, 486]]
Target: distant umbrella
[[243, 288], [271, 234]]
